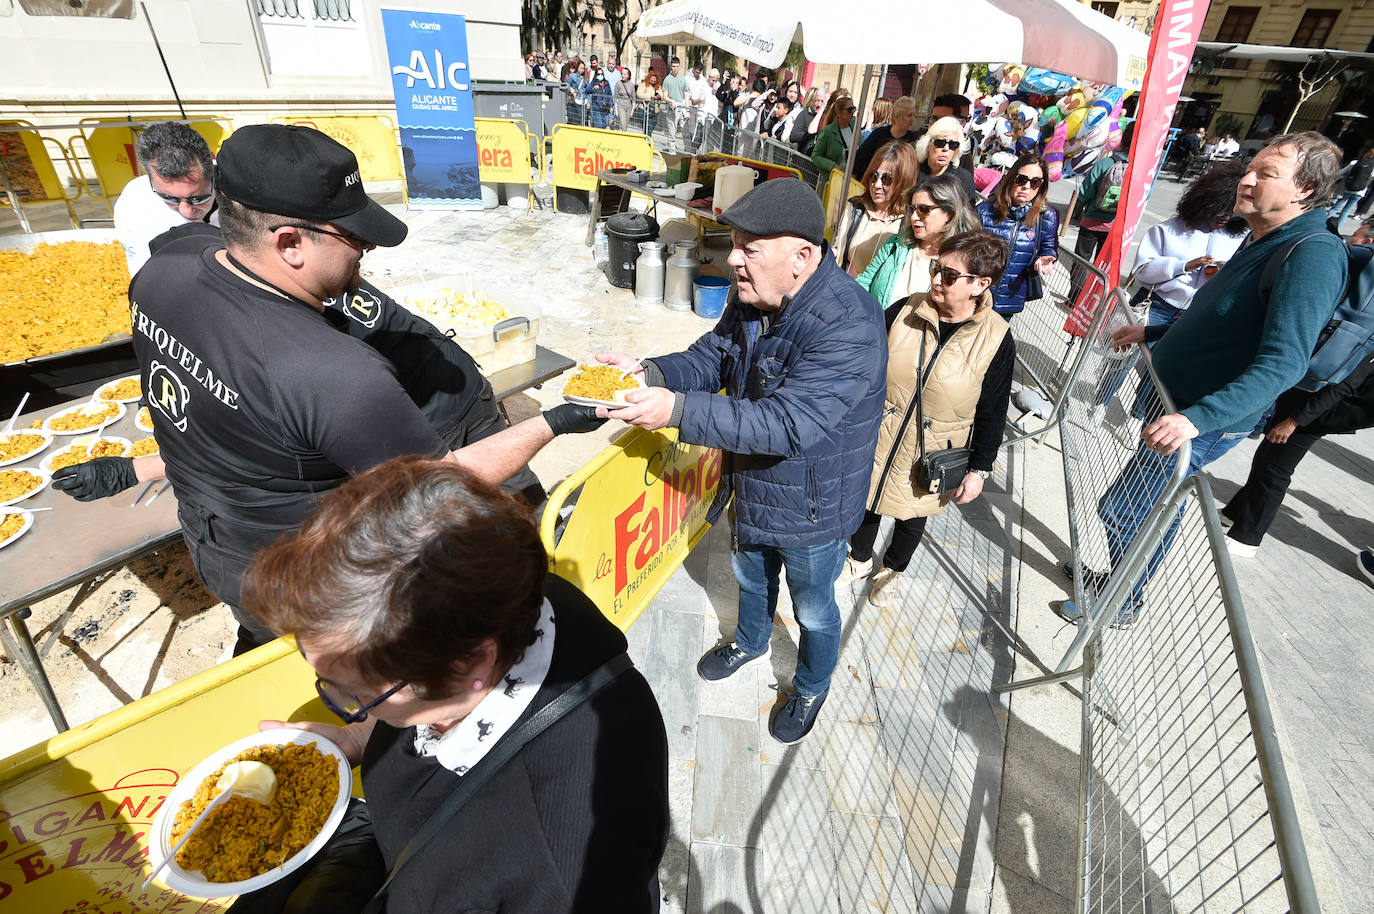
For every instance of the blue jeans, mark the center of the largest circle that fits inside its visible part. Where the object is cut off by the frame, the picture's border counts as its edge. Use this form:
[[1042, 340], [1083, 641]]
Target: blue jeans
[[1125, 506], [811, 575], [1161, 315], [1344, 206]]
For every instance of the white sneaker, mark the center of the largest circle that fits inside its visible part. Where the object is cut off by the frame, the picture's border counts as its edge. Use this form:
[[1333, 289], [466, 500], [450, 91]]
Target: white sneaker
[[1240, 550], [854, 571], [884, 586], [1098, 416]]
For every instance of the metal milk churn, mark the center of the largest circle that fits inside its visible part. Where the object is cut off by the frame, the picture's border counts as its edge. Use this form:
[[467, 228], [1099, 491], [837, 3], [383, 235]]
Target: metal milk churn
[[683, 267], [649, 273]]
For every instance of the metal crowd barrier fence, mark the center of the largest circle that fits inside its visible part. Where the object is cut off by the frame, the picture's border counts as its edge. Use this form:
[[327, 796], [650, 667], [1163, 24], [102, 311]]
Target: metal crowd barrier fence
[[1049, 357], [1185, 803]]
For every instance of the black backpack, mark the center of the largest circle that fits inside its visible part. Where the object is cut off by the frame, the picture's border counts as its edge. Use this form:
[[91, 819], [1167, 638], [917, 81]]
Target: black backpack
[[1348, 338]]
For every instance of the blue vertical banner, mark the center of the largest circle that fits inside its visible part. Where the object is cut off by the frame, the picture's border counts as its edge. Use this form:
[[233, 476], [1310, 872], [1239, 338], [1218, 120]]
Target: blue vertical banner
[[427, 54]]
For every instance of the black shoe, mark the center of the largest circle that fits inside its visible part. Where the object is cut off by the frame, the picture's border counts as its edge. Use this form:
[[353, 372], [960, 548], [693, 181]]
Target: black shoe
[[1366, 562], [796, 718], [1092, 580], [725, 661]]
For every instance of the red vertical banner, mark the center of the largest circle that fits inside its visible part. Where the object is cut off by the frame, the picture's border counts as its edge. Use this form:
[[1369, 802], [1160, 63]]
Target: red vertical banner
[[1171, 52]]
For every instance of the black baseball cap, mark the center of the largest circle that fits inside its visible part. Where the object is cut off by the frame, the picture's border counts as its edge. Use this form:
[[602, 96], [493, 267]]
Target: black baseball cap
[[300, 172], [780, 206]]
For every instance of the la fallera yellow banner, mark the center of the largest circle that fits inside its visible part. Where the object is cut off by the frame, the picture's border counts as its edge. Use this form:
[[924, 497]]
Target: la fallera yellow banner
[[642, 507], [580, 152], [503, 151]]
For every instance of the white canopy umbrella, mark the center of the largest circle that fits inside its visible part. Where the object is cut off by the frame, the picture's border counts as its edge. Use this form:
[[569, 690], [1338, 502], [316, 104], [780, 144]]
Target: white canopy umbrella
[[1059, 35]]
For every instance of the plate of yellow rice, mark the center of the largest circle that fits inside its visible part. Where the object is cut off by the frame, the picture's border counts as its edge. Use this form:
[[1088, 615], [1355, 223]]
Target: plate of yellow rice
[[244, 845], [600, 385]]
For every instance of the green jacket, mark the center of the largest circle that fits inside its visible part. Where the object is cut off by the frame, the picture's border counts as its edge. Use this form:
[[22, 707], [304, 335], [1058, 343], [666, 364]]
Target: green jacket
[[830, 150], [882, 271]]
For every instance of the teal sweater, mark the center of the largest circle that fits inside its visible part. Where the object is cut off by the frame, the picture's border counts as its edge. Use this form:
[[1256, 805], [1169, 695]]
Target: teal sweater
[[883, 269], [1230, 355]]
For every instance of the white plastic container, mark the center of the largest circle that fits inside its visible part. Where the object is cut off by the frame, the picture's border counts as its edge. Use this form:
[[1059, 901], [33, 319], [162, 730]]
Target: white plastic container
[[686, 190], [732, 182], [496, 346]]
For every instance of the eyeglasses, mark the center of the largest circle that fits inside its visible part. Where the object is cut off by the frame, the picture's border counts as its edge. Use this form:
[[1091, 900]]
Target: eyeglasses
[[939, 143], [882, 177], [352, 241], [197, 200], [923, 210], [351, 709], [948, 275], [1028, 181]]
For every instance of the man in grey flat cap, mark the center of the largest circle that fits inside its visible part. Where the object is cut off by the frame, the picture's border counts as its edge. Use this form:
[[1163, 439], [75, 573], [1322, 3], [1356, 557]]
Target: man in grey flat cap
[[802, 354]]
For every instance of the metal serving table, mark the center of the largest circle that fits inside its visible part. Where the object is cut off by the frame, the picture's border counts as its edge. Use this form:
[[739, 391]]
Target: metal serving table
[[703, 213], [73, 544], [547, 364]]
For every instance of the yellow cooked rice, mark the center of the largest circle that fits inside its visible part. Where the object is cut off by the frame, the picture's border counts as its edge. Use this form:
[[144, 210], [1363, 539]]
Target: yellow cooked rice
[[14, 483], [62, 296], [123, 390], [19, 445], [242, 839], [87, 417], [599, 382], [142, 448], [9, 525]]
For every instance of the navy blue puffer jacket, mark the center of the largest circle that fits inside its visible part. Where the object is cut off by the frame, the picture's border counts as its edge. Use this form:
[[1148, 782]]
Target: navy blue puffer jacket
[[1009, 295], [799, 422]]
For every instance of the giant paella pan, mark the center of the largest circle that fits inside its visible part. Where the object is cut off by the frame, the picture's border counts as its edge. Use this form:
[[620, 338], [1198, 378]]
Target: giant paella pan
[[62, 294]]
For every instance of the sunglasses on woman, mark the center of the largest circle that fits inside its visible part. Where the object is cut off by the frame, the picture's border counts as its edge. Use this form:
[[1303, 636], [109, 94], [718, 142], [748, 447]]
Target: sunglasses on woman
[[1028, 181], [939, 143], [924, 209], [882, 177], [948, 275]]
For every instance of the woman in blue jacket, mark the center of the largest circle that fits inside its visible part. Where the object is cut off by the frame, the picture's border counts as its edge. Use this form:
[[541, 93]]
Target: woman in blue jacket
[[599, 99], [1019, 213]]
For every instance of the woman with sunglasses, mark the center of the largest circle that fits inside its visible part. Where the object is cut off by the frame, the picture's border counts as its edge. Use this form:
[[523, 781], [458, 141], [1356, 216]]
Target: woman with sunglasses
[[874, 217], [835, 137], [421, 599], [934, 211], [949, 369], [940, 148], [1019, 213]]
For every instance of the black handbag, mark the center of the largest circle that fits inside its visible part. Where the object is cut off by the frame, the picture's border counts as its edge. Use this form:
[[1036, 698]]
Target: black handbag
[[1034, 285], [944, 470]]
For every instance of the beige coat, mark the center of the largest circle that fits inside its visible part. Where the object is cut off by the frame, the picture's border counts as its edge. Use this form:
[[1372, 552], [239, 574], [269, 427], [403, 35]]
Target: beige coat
[[953, 384]]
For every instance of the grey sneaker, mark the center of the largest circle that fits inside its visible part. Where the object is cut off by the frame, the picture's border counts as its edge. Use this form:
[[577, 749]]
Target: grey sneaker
[[884, 586], [796, 718], [1092, 580], [725, 661]]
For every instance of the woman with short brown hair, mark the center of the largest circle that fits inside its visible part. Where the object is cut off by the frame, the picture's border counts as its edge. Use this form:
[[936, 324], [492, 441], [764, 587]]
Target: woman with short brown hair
[[422, 600]]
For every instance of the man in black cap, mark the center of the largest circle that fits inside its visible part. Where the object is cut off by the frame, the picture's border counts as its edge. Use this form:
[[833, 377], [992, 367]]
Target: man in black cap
[[260, 399], [801, 351]]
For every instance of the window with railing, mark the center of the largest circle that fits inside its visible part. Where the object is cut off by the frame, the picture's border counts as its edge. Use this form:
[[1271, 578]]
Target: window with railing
[[314, 37]]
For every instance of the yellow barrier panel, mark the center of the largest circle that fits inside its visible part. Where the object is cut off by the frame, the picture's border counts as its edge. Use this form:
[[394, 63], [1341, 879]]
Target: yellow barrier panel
[[641, 509], [834, 200], [580, 152], [371, 137], [111, 148], [27, 164], [503, 151], [75, 811]]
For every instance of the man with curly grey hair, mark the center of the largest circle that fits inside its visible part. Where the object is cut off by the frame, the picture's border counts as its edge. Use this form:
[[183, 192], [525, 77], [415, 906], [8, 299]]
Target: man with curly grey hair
[[176, 187], [1243, 341]]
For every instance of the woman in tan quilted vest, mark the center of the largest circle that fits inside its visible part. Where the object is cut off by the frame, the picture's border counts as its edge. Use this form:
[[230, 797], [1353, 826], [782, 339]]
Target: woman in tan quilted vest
[[949, 344]]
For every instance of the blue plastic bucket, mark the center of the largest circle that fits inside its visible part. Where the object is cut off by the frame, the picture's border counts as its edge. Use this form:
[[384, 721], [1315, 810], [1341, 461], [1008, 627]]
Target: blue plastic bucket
[[709, 295]]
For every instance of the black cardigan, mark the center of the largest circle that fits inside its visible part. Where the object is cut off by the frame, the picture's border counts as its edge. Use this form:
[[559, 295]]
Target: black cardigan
[[577, 821]]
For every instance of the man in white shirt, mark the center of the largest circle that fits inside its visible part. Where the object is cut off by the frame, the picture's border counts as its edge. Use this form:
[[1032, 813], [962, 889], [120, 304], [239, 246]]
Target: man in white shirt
[[612, 71], [175, 188], [698, 90]]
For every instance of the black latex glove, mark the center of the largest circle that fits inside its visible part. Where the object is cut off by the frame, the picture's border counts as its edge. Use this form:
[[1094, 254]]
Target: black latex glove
[[571, 418], [98, 478]]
